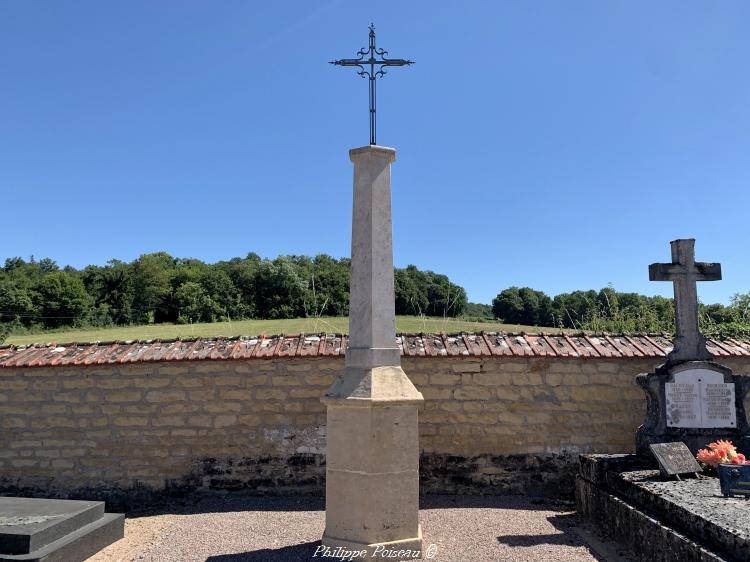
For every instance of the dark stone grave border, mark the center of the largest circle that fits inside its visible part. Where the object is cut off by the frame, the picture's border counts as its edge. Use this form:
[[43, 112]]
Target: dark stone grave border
[[51, 530], [660, 520]]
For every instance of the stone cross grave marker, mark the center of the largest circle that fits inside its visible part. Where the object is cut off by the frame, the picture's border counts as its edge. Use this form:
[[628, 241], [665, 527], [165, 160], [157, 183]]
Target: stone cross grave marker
[[685, 272], [690, 398]]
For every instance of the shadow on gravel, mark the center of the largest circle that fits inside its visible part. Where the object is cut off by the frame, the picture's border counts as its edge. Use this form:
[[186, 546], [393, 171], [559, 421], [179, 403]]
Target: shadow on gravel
[[499, 502], [294, 553], [534, 540], [567, 536]]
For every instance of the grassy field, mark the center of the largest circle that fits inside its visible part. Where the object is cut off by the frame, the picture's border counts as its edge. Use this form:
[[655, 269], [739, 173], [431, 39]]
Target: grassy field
[[404, 324]]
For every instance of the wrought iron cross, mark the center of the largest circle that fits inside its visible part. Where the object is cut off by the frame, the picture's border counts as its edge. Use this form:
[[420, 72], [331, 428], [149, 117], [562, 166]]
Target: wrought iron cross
[[372, 74], [684, 272]]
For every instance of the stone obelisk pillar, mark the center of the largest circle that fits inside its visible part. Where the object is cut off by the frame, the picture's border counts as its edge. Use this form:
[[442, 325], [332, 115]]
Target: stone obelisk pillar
[[372, 451]]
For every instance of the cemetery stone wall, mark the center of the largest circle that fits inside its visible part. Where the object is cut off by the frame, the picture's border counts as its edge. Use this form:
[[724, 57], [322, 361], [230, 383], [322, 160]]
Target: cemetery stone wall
[[488, 425]]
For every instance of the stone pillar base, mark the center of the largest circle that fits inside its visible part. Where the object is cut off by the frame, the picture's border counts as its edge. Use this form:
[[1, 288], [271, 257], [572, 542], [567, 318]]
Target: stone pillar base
[[372, 464], [405, 549]]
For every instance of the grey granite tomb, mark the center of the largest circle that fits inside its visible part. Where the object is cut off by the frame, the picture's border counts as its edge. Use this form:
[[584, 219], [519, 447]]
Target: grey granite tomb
[[43, 530], [691, 398]]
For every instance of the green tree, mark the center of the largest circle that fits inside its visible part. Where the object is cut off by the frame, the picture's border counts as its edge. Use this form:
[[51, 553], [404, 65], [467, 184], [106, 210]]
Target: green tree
[[537, 307], [411, 291], [47, 265], [113, 291], [741, 306], [508, 306], [717, 313], [444, 298], [221, 290], [523, 306], [151, 287], [279, 289], [13, 263], [17, 304], [608, 302], [478, 310], [194, 305], [571, 310], [63, 300], [328, 286], [242, 272], [426, 292]]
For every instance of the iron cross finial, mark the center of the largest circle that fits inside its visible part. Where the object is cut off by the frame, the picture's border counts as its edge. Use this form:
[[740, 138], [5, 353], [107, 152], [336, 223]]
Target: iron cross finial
[[372, 74]]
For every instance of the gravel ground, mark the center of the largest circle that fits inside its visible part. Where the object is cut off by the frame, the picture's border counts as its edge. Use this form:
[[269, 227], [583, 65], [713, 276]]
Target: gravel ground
[[269, 529]]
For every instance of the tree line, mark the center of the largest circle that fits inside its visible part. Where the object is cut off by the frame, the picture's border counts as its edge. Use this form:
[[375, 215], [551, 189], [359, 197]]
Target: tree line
[[608, 310], [158, 288]]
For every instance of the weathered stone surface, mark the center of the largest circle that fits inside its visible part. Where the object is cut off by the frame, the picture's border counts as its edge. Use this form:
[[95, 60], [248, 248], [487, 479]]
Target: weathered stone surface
[[550, 475], [684, 272], [372, 328], [372, 385], [47, 529], [687, 520], [674, 459], [646, 537]]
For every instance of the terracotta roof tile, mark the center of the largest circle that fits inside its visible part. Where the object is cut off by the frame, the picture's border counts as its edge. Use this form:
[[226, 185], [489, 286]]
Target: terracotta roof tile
[[455, 346], [738, 347], [483, 344]]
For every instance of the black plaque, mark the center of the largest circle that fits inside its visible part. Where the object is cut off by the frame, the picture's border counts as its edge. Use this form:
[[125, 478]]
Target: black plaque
[[674, 459]]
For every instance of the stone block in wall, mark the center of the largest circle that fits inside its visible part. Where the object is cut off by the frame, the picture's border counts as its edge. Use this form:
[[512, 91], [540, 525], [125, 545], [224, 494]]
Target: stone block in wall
[[472, 393], [466, 367]]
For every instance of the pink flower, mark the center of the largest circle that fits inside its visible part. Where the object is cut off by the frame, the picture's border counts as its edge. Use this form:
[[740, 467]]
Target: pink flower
[[720, 452], [710, 458], [725, 447]]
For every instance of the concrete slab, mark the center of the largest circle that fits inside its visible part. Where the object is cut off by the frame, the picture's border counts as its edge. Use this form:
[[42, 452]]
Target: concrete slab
[[27, 524], [48, 529], [78, 545]]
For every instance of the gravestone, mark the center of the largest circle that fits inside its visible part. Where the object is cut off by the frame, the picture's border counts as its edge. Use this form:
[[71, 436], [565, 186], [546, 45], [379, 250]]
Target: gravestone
[[43, 530], [691, 398], [675, 459]]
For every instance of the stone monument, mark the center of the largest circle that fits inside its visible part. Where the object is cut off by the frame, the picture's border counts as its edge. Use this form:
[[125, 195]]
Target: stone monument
[[691, 398], [372, 449], [372, 443]]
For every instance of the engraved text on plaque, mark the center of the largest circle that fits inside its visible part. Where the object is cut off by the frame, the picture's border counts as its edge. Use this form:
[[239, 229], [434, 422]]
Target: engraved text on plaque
[[700, 398]]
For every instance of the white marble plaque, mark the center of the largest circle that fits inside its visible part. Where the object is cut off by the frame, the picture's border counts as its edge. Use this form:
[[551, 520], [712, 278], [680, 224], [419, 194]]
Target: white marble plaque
[[699, 398]]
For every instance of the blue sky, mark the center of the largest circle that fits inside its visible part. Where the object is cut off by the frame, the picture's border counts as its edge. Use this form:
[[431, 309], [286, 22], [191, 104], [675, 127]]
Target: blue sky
[[557, 145]]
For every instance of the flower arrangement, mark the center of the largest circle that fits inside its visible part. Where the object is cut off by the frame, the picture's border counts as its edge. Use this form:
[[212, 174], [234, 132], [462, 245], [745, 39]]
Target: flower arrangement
[[720, 452]]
